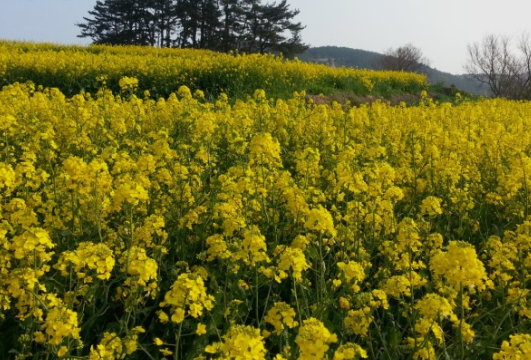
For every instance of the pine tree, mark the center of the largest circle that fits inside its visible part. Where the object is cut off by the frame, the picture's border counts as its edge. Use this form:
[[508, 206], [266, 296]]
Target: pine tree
[[104, 27], [233, 24], [210, 27], [200, 23], [166, 21], [268, 25], [224, 25], [116, 22]]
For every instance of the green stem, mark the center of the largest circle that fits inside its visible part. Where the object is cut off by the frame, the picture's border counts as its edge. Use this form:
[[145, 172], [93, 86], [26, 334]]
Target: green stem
[[258, 319], [177, 341], [461, 321], [297, 301]]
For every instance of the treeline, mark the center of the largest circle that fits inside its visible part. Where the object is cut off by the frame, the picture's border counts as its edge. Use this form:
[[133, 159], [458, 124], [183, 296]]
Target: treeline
[[222, 25]]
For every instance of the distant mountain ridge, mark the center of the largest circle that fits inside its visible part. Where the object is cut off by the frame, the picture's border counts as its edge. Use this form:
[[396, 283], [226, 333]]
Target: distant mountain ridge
[[342, 56]]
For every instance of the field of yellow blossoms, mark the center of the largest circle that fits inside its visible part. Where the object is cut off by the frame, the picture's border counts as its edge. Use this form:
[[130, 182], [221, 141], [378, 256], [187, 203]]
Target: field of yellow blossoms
[[138, 227], [162, 71]]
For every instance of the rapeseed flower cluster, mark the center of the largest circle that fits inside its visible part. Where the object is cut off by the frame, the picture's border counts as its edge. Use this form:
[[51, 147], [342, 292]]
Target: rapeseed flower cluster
[[187, 296], [240, 342], [313, 340], [459, 267], [109, 348], [349, 351], [87, 259], [59, 324], [280, 316], [518, 348]]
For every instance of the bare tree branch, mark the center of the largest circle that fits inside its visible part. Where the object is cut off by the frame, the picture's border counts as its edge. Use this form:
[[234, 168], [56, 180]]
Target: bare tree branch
[[494, 64], [405, 58]]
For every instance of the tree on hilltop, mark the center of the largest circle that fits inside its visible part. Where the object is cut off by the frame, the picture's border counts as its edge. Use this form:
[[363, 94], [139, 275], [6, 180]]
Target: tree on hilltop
[[224, 25], [165, 21], [199, 24], [405, 58], [126, 22], [268, 25]]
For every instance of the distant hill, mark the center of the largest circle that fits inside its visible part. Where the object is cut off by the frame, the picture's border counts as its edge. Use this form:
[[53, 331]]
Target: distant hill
[[342, 56]]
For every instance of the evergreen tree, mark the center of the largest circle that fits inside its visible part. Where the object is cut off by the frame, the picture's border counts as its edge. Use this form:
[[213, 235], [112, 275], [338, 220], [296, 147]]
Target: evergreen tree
[[224, 25], [210, 27], [188, 14], [104, 27], [200, 23], [268, 25], [119, 22], [165, 21], [227, 9]]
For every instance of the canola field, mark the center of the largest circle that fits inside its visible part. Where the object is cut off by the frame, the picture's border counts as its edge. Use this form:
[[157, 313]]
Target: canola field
[[73, 69], [137, 227]]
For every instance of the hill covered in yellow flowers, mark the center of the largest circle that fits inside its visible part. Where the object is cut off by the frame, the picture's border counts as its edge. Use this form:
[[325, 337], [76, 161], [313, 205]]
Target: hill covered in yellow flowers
[[162, 71]]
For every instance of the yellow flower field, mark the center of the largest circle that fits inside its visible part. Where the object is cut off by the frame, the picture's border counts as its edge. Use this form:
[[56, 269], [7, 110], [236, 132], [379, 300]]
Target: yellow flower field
[[180, 228], [162, 71]]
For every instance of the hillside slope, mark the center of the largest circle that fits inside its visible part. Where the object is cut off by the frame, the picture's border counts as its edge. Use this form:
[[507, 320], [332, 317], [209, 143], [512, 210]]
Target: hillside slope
[[342, 56], [162, 71]]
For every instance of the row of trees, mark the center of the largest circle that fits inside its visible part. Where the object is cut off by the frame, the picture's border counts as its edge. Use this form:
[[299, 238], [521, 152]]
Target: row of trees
[[223, 25]]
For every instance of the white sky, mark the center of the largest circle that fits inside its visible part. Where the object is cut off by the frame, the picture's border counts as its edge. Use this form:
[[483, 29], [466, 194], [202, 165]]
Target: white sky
[[440, 28]]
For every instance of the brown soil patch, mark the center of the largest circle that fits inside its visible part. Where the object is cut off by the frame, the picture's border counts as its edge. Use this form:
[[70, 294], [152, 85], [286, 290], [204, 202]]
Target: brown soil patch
[[357, 100]]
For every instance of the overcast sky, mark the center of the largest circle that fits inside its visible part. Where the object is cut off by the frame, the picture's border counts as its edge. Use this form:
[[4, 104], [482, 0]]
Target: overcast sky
[[440, 28]]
